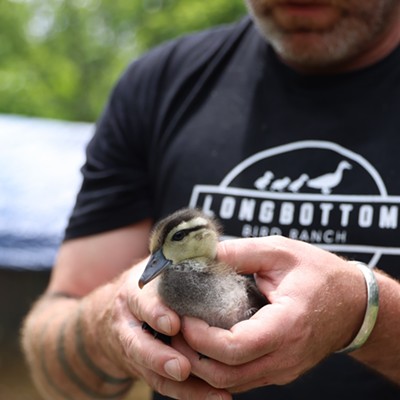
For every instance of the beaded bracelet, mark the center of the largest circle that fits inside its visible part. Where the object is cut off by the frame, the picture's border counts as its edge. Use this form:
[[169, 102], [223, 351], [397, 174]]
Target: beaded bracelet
[[371, 312]]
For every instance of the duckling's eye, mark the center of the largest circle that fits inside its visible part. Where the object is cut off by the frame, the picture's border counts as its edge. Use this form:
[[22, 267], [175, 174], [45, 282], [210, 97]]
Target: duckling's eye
[[178, 236]]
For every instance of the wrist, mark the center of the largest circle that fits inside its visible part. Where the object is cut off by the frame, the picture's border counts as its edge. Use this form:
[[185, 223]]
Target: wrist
[[371, 309]]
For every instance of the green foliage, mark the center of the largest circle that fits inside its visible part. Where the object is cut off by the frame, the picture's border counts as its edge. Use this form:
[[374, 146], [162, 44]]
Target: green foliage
[[60, 58]]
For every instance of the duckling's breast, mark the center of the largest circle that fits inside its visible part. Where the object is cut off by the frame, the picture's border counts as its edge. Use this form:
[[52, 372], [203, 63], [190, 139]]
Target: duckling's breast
[[191, 288]]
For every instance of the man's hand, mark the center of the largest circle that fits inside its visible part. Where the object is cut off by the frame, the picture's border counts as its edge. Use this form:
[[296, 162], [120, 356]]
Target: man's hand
[[317, 304], [136, 351]]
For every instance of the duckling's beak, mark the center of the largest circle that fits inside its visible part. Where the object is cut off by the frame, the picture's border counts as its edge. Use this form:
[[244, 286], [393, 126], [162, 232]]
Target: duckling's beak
[[154, 267]]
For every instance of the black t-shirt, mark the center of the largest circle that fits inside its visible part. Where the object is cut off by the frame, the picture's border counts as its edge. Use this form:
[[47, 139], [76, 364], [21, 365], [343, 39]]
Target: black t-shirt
[[216, 121]]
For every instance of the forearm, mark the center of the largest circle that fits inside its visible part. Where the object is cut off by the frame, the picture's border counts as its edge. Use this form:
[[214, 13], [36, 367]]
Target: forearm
[[64, 353], [382, 350]]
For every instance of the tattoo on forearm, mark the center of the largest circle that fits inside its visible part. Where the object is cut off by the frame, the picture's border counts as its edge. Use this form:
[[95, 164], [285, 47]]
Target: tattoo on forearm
[[81, 349], [52, 381], [73, 376], [46, 373]]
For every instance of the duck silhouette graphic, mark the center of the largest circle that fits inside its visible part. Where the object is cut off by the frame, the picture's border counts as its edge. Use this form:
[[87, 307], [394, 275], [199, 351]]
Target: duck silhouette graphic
[[297, 184], [262, 182], [279, 185], [325, 183], [328, 181]]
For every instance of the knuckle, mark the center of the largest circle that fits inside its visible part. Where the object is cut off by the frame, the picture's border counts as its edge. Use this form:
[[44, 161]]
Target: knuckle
[[222, 379], [235, 356], [219, 381], [131, 347], [233, 352], [149, 357], [159, 384], [152, 361]]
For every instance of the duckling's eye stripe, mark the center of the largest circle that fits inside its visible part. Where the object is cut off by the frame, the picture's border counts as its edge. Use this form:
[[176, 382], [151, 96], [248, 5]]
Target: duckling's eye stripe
[[178, 236]]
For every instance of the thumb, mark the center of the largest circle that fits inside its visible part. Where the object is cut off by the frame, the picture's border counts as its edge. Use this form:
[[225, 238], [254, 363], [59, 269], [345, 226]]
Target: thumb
[[261, 255], [246, 255]]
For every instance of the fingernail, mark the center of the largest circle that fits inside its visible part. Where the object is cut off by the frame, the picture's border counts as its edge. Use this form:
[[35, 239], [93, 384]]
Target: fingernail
[[173, 369], [214, 396], [164, 324]]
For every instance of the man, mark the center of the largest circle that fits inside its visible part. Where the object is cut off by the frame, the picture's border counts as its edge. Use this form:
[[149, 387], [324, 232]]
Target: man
[[289, 128]]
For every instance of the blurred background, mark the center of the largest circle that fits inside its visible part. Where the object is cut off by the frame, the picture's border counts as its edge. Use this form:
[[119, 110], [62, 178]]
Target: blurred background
[[59, 60]]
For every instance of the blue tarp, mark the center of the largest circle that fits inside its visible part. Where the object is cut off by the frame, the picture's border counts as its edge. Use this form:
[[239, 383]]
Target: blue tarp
[[39, 178]]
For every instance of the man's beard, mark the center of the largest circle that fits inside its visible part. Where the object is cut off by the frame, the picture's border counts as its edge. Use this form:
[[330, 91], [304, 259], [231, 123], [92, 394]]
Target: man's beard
[[355, 31]]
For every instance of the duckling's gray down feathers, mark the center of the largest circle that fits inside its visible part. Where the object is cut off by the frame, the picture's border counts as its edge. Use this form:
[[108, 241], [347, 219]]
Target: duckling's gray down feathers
[[192, 282]]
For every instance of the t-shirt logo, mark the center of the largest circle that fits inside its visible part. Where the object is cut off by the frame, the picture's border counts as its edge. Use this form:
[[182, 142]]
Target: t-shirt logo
[[315, 191]]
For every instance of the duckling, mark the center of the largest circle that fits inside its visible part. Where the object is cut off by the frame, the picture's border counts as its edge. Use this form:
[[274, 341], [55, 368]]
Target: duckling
[[192, 282]]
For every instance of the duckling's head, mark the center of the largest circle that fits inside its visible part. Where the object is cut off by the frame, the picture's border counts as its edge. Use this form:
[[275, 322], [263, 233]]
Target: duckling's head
[[187, 234]]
